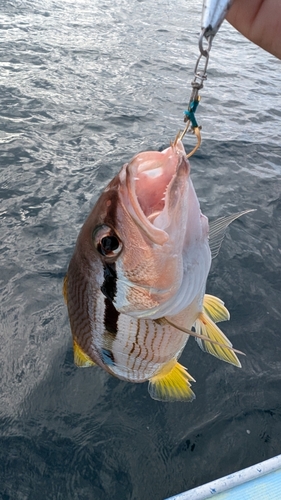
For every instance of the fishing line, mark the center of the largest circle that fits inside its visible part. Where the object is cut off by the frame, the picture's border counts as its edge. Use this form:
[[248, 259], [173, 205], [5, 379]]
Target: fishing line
[[213, 14]]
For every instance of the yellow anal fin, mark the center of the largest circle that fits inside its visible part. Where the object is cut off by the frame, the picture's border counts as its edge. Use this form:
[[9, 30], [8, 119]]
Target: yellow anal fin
[[205, 326], [81, 359], [215, 308], [64, 288], [172, 383]]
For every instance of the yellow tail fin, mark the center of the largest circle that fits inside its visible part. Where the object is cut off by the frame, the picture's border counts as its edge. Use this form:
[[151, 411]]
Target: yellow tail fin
[[172, 383], [205, 326], [81, 359], [215, 308]]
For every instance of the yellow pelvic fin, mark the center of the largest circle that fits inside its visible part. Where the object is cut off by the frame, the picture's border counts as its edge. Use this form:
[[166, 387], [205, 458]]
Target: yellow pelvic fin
[[205, 326], [215, 308], [172, 383], [80, 358], [64, 288]]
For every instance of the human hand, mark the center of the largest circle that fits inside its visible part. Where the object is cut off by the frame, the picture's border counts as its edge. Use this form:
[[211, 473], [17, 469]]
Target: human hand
[[259, 21]]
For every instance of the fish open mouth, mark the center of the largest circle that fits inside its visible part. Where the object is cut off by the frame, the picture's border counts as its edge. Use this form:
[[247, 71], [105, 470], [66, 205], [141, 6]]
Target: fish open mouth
[[152, 183], [151, 180]]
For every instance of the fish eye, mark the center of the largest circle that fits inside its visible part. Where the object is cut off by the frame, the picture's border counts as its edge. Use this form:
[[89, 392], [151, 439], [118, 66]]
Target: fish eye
[[106, 241], [109, 244]]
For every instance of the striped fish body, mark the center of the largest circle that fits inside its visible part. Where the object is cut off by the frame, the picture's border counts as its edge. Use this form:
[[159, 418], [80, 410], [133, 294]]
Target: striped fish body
[[132, 349]]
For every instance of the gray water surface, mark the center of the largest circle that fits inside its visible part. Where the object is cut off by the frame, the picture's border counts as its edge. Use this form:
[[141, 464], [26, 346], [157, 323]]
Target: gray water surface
[[85, 85]]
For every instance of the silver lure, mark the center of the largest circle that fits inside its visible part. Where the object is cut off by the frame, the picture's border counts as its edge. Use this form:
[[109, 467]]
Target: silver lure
[[213, 14]]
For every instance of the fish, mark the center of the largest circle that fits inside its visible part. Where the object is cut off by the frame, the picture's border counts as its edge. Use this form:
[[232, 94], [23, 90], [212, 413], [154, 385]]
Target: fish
[[135, 285]]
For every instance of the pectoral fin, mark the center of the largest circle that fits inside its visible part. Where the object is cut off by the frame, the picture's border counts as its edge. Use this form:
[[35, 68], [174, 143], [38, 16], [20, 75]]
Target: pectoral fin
[[172, 383], [81, 359], [206, 327], [215, 308]]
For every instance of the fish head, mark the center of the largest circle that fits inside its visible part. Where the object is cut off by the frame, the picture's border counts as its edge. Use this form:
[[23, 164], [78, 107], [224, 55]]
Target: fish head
[[138, 233]]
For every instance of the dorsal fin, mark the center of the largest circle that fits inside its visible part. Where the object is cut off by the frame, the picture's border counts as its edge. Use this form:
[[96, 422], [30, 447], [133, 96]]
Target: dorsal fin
[[217, 230]]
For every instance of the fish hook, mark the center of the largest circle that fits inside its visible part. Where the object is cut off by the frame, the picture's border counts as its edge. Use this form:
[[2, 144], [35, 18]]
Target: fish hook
[[181, 134], [197, 132]]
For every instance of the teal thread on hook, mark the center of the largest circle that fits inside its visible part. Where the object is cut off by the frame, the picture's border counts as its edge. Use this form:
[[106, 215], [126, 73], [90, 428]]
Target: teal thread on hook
[[189, 115]]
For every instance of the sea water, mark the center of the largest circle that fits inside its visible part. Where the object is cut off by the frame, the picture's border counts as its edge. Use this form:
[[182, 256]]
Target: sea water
[[85, 85]]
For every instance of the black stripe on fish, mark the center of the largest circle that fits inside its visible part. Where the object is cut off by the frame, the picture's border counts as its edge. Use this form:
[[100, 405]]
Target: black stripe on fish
[[110, 317], [109, 286], [110, 321], [109, 289]]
